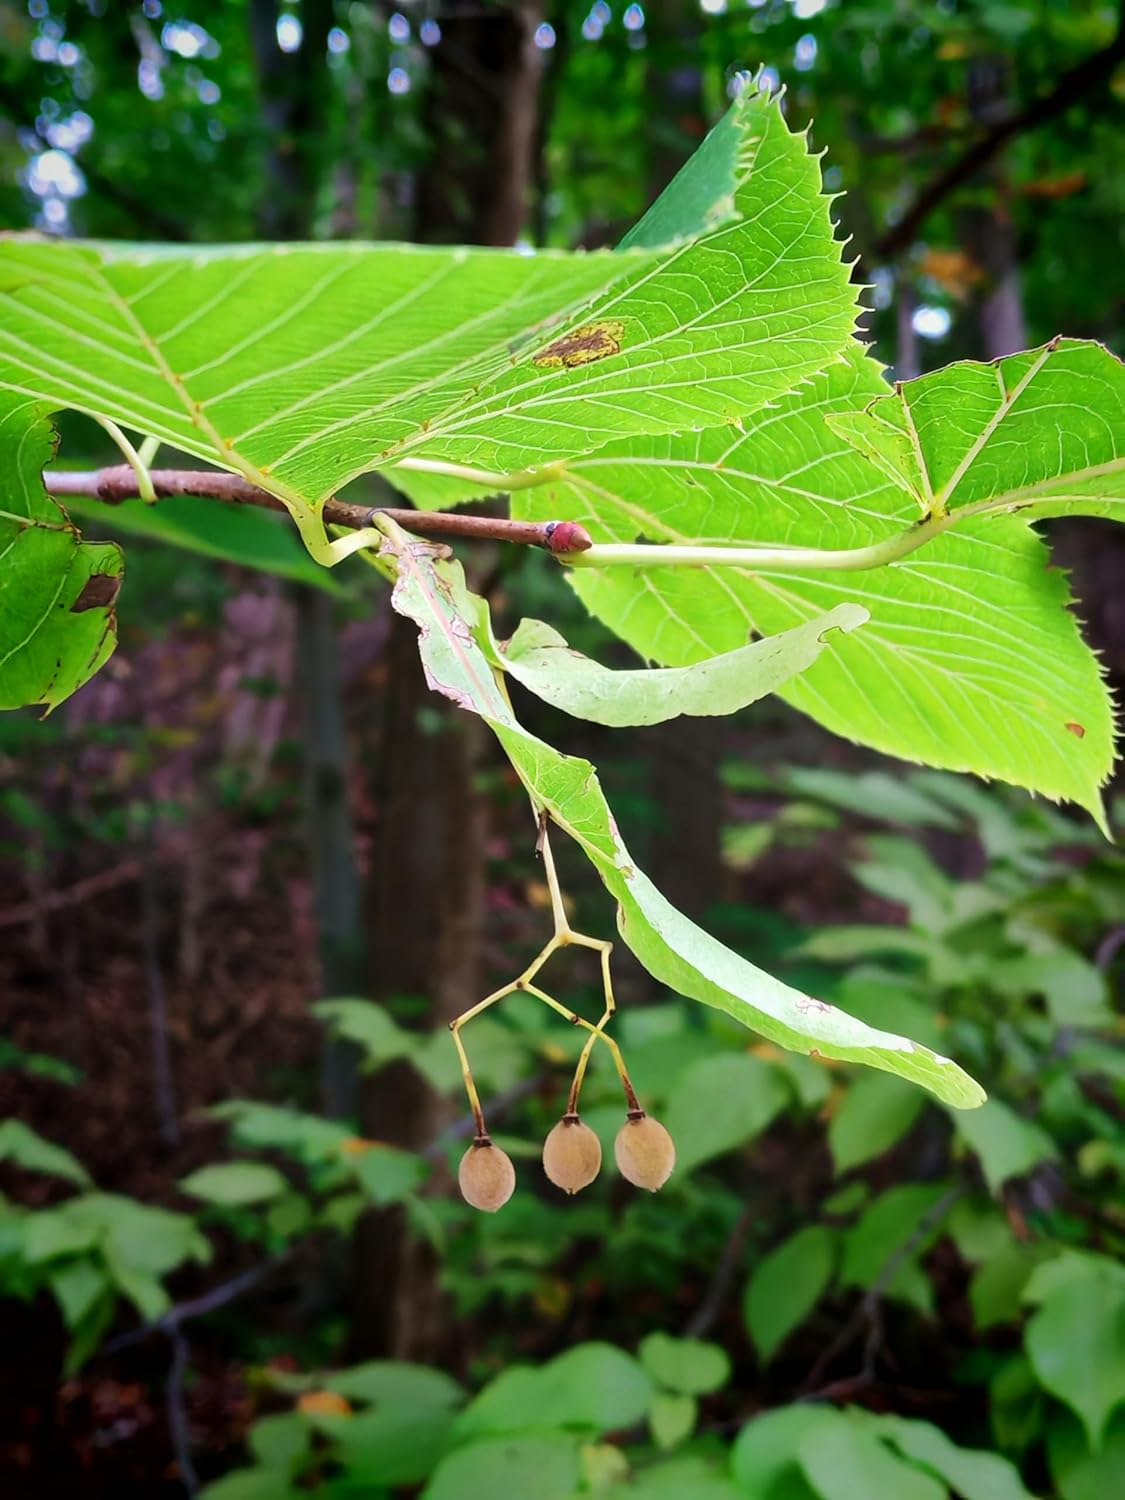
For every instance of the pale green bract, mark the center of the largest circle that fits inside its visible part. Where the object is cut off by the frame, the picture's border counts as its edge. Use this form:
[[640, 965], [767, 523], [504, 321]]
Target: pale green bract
[[538, 657], [971, 660], [451, 622]]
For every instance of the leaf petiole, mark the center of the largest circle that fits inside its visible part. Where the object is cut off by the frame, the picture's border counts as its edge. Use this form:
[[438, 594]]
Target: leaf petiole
[[524, 479], [136, 462]]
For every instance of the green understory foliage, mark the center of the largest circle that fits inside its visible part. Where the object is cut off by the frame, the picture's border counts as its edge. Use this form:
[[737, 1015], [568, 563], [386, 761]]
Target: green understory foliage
[[906, 1212]]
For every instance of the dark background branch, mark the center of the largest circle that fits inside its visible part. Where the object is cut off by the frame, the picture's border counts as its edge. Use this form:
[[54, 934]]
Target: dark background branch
[[1074, 86]]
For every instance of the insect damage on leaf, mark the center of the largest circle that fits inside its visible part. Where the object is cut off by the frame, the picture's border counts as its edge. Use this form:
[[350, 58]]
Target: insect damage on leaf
[[98, 592], [593, 341]]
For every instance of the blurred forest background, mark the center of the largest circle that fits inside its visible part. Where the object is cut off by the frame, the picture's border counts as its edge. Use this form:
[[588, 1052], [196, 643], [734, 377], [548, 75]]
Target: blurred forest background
[[253, 867]]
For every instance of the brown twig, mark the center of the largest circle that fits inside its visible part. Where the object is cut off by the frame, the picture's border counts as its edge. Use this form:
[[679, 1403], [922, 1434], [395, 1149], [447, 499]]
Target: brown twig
[[118, 483], [1071, 87], [701, 1322], [869, 1311], [74, 895], [163, 1072], [178, 1425]]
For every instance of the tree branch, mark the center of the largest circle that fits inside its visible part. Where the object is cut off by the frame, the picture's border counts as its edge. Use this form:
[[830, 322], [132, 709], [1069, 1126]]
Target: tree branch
[[1073, 86], [869, 1310], [119, 482], [701, 1322], [177, 1412]]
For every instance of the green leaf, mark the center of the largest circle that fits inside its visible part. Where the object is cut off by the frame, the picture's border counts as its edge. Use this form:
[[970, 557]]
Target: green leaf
[[86, 1337], [367, 1024], [432, 592], [37, 1064], [875, 794], [844, 1460], [545, 1466], [250, 1484], [395, 1444], [289, 1215], [53, 1233], [396, 1383], [538, 657], [786, 1285], [721, 1103], [594, 1387], [235, 1183], [1076, 1340], [887, 1225], [862, 940], [278, 1442], [229, 533], [141, 1287], [256, 358], [886, 997], [57, 623], [971, 660], [602, 1465], [388, 1175], [77, 1286], [1080, 1474], [996, 1292], [1076, 991], [676, 1479], [979, 1229], [1041, 432], [152, 1240], [900, 870], [972, 1474], [1070, 1266], [28, 1149], [874, 1114], [692, 1367], [1008, 1145], [765, 1456], [1016, 1405], [310, 1138], [671, 1418]]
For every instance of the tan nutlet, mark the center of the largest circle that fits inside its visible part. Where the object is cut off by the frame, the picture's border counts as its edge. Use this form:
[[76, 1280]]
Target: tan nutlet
[[486, 1176], [645, 1152], [572, 1155]]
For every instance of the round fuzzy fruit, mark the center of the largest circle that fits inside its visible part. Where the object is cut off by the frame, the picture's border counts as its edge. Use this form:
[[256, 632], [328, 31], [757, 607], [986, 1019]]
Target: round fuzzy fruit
[[645, 1152], [572, 1154], [486, 1176]]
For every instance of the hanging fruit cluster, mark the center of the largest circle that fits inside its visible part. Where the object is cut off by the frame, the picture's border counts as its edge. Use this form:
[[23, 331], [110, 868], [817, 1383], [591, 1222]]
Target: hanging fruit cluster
[[572, 1153]]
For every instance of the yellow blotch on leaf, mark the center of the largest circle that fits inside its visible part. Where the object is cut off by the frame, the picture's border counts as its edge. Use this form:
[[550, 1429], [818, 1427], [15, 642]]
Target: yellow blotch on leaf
[[582, 346]]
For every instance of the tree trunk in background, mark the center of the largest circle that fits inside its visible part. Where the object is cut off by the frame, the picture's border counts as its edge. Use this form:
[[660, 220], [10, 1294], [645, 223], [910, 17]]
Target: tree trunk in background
[[293, 91], [685, 856], [675, 86], [907, 365], [480, 121], [426, 902], [686, 853], [987, 231], [331, 833], [293, 88]]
